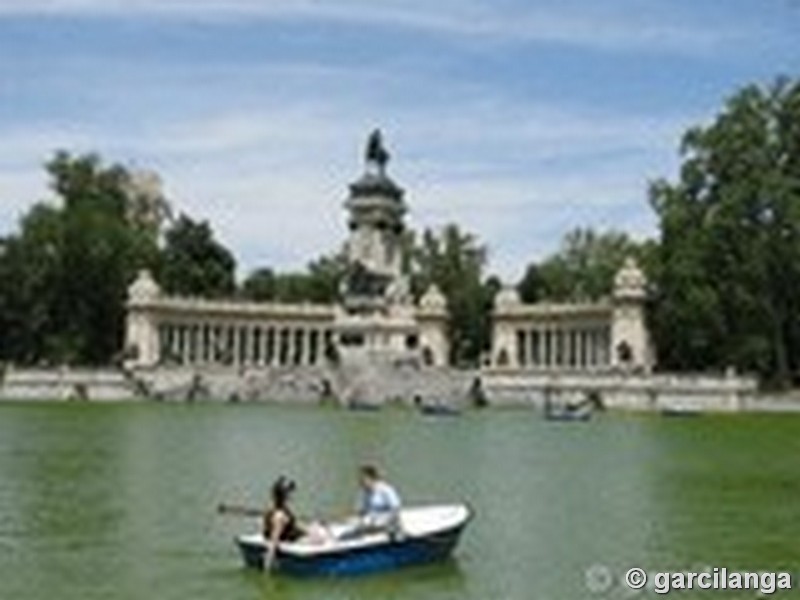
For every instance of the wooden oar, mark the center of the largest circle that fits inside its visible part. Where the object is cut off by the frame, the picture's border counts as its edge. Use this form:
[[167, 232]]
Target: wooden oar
[[239, 510]]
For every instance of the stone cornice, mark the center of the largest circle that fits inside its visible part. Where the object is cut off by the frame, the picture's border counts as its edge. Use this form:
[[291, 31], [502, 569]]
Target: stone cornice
[[236, 309], [551, 310]]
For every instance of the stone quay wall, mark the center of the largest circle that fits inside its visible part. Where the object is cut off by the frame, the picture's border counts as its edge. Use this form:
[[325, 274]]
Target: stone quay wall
[[621, 390], [65, 384], [385, 383]]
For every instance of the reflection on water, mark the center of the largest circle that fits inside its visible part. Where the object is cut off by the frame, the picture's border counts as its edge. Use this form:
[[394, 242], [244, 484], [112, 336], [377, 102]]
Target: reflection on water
[[439, 581], [118, 501]]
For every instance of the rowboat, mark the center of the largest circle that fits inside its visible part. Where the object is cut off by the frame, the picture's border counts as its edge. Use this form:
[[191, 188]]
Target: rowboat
[[439, 410], [567, 415], [425, 534]]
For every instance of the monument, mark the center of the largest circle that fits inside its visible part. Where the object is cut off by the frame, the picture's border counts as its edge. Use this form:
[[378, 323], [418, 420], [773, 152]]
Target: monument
[[378, 343], [375, 316]]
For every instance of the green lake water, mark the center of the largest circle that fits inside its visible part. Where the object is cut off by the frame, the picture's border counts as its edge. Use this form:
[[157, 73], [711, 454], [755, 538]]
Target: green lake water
[[118, 502]]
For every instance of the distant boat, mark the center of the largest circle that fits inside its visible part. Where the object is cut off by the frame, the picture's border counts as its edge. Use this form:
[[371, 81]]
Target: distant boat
[[428, 534], [360, 405], [567, 415], [439, 410], [581, 411], [435, 408], [672, 411]]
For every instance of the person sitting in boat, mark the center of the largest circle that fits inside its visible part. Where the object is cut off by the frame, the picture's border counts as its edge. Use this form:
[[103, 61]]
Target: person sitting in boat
[[280, 524], [379, 504]]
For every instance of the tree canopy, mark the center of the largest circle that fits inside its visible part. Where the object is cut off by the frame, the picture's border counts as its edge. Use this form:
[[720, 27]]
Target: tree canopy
[[455, 261], [318, 283], [194, 263], [582, 269], [728, 266], [64, 276]]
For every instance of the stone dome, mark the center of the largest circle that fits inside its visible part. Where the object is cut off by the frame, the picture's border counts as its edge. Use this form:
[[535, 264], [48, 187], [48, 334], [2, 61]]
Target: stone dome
[[507, 297], [433, 299], [630, 281], [144, 287], [376, 184]]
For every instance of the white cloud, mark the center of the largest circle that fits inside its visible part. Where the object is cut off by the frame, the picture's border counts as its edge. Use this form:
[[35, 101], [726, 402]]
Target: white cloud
[[270, 169], [590, 25], [272, 181]]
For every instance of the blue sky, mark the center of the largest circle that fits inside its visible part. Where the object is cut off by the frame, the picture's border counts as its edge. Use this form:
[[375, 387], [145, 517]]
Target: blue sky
[[518, 119]]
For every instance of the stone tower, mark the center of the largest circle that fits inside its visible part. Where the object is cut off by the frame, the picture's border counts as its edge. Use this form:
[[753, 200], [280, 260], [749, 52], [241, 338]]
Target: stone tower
[[630, 342], [377, 313], [376, 212]]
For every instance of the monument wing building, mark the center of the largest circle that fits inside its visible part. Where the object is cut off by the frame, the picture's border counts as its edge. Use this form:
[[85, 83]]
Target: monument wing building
[[604, 335]]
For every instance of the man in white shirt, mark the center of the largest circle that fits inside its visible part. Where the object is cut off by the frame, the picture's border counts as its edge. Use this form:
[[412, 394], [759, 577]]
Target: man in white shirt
[[379, 500], [378, 505]]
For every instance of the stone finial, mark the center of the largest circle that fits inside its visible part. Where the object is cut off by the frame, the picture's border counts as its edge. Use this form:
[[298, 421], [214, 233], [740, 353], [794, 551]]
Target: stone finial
[[433, 299], [630, 281], [146, 184], [146, 203], [507, 297], [143, 288]]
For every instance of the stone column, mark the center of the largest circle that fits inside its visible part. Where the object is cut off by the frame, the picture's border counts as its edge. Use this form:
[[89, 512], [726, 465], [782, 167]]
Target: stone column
[[184, 337], [569, 347], [558, 346], [305, 357], [191, 356], [286, 346], [212, 343], [184, 343], [244, 344], [198, 353]]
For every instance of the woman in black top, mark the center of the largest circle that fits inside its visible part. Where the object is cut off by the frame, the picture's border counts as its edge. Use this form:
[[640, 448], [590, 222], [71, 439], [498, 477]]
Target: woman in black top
[[280, 524]]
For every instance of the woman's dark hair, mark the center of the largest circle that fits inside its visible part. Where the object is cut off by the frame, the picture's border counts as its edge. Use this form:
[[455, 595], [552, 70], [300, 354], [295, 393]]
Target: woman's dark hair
[[281, 490], [370, 471]]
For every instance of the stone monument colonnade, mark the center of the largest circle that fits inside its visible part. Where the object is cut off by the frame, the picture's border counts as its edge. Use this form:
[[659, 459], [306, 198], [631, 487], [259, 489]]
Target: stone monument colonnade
[[376, 318]]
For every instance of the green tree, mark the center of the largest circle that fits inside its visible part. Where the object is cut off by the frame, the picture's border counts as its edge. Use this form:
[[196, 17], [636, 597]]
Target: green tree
[[318, 283], [260, 285], [30, 276], [729, 259], [454, 261], [531, 286], [582, 269], [194, 263], [66, 272], [325, 274]]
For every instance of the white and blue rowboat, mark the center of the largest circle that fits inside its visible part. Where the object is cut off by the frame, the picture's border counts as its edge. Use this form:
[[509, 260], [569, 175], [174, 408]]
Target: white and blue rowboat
[[426, 534]]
